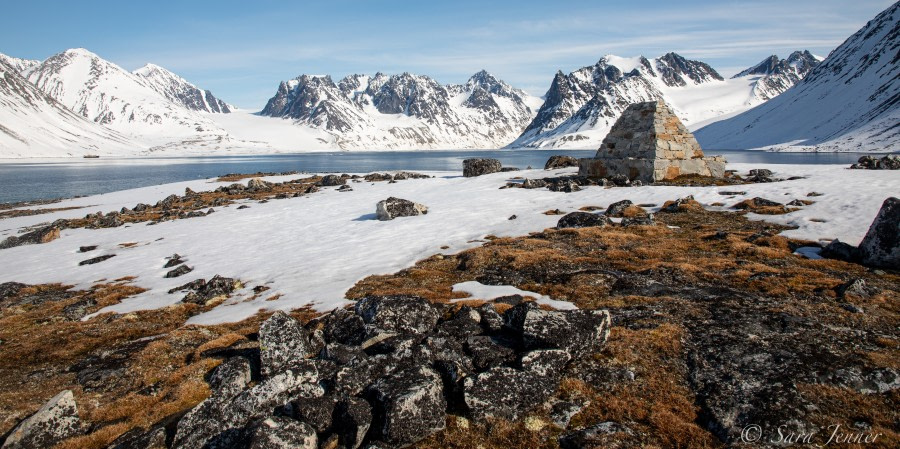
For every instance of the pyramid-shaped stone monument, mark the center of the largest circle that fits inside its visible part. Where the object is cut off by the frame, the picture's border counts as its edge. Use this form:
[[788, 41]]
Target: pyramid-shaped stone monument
[[648, 143]]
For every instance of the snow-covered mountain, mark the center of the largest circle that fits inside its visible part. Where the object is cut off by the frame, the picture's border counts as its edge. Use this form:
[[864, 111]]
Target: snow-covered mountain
[[34, 125], [778, 75], [405, 111], [581, 107], [21, 66], [104, 93], [849, 102], [179, 90]]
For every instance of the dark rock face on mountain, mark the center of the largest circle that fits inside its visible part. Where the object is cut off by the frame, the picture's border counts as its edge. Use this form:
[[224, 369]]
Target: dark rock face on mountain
[[483, 111], [180, 91], [674, 68], [392, 386], [778, 75], [598, 94]]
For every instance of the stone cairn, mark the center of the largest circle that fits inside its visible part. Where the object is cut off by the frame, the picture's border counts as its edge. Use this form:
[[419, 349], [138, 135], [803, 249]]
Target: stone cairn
[[648, 143], [386, 374]]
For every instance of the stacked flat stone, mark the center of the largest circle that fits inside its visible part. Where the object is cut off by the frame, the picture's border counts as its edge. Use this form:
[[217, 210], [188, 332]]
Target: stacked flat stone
[[649, 143]]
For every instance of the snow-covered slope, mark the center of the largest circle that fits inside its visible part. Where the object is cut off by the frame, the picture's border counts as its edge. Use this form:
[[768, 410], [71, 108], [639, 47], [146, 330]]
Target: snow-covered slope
[[850, 102], [21, 66], [178, 90], [582, 106], [34, 125], [405, 111], [104, 93], [306, 250]]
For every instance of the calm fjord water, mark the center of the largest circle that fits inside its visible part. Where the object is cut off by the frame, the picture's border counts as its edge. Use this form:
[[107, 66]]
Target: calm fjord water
[[28, 181]]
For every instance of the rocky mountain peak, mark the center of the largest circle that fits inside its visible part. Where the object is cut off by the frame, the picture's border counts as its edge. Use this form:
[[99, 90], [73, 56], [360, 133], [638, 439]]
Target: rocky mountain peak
[[178, 90], [674, 68]]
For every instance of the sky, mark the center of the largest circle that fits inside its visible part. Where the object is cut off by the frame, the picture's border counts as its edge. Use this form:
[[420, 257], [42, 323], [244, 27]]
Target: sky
[[241, 50]]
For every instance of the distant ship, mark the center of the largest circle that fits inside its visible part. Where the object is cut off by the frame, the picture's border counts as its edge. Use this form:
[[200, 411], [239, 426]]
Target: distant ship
[[91, 156]]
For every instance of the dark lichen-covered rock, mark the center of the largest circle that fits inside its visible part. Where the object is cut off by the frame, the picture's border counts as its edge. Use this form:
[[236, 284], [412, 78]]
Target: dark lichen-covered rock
[[392, 208], [616, 209], [231, 377], [839, 250], [283, 433], [578, 332], [399, 314], [220, 422], [881, 245], [181, 270], [480, 166], [56, 420], [41, 235], [203, 291], [408, 406], [353, 418], [560, 161], [504, 392], [889, 162], [332, 180], [581, 220], [282, 342], [97, 259]]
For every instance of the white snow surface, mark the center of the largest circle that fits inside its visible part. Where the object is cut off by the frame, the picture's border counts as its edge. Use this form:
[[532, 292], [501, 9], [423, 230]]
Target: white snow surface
[[477, 290], [312, 249]]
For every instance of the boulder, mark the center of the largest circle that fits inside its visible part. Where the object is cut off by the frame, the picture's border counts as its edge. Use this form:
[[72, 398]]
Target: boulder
[[220, 422], [231, 377], [315, 411], [97, 259], [560, 161], [332, 180], [408, 406], [533, 184], [283, 433], [480, 166], [504, 392], [353, 418], [881, 245], [398, 314], [839, 250], [282, 342], [204, 291], [888, 162], [616, 209], [578, 332], [181, 270], [392, 208], [41, 235], [56, 420], [582, 220], [257, 184]]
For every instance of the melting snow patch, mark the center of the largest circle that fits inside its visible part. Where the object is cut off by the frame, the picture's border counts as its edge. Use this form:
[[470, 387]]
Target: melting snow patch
[[490, 292]]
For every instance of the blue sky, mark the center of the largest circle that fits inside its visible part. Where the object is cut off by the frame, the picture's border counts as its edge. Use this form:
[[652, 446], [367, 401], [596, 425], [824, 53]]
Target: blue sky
[[241, 49]]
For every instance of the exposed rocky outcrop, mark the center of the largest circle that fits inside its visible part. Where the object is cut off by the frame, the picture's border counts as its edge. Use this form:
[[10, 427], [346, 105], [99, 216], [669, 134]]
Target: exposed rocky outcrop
[[392, 208], [56, 420], [889, 162], [582, 220], [386, 373], [649, 143], [41, 235], [559, 161], [480, 166], [881, 245]]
